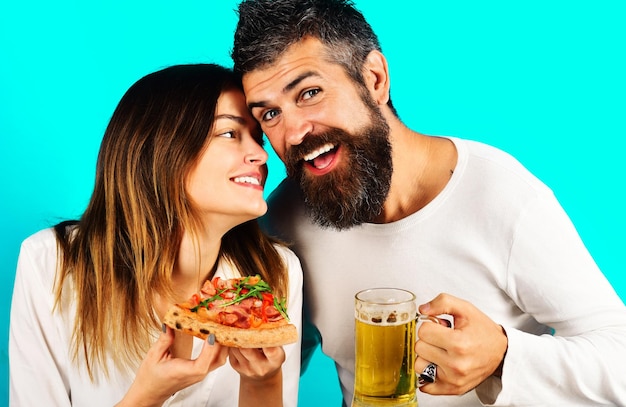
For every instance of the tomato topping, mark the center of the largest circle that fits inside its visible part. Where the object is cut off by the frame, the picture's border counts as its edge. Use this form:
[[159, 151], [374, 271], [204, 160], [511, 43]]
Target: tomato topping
[[195, 299], [268, 297]]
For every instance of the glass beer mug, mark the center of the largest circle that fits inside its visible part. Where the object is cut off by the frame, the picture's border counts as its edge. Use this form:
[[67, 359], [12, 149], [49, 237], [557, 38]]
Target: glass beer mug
[[385, 320]]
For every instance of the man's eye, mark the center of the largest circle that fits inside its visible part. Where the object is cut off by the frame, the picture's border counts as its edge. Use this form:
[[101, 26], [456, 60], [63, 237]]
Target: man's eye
[[269, 115], [310, 93]]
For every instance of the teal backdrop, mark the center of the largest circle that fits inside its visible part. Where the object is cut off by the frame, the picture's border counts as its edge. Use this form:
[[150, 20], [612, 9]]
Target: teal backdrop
[[544, 81]]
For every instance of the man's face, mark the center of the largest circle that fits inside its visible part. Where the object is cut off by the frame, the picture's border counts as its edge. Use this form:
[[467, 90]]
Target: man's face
[[328, 131]]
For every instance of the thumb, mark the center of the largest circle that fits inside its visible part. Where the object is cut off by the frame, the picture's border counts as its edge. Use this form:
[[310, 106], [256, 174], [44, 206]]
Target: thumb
[[166, 339], [446, 307], [163, 343]]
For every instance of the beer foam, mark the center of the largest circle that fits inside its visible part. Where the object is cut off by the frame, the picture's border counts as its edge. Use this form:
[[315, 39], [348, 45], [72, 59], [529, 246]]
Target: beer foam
[[385, 306], [375, 316]]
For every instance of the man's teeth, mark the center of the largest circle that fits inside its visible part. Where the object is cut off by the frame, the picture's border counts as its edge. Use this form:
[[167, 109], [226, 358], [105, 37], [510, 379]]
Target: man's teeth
[[247, 180], [314, 154]]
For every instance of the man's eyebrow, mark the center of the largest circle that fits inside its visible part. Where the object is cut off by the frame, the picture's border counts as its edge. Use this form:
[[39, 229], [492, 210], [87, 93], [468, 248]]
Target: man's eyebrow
[[298, 79], [286, 89]]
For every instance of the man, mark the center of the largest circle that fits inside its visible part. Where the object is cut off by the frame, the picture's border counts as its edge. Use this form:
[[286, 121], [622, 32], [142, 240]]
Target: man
[[369, 202]]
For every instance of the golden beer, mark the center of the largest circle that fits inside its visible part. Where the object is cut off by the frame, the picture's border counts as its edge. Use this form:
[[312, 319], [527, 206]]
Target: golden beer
[[384, 347]]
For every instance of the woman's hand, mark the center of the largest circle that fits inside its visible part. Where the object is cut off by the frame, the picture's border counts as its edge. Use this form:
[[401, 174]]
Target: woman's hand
[[160, 375], [257, 364], [261, 382]]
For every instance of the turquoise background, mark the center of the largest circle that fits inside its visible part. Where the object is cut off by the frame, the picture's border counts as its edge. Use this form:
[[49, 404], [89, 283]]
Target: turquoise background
[[541, 80]]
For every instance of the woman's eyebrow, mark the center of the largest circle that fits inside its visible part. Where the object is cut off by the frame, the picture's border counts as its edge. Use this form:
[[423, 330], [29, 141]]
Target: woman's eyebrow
[[238, 119]]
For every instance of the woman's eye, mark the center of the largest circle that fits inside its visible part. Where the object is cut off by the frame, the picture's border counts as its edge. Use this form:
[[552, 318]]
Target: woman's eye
[[310, 93], [269, 115], [228, 134]]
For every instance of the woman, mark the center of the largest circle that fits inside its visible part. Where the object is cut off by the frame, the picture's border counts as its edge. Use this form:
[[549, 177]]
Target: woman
[[179, 185]]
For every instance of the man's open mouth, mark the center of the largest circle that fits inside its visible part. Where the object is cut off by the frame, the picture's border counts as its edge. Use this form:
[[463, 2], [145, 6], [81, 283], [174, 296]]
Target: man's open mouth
[[321, 157]]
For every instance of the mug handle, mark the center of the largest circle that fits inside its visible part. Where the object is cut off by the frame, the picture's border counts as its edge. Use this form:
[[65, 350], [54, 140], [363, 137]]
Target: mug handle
[[448, 321]]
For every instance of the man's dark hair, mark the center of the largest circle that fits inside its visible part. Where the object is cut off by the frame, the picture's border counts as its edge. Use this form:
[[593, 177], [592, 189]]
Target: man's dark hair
[[267, 28]]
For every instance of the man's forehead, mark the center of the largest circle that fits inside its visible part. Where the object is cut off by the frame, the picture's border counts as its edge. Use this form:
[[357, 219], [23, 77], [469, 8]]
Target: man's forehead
[[303, 54]]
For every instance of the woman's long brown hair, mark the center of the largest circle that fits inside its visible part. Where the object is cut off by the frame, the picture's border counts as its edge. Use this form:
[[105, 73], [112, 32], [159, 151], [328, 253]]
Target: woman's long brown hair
[[122, 250]]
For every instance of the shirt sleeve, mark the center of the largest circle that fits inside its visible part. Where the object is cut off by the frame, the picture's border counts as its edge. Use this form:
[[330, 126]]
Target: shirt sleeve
[[37, 352], [291, 366], [552, 276]]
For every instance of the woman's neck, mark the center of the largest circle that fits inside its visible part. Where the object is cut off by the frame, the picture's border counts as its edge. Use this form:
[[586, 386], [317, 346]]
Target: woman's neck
[[195, 262]]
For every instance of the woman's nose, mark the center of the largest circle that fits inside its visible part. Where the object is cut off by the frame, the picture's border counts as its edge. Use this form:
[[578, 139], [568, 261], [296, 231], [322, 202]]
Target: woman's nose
[[256, 154]]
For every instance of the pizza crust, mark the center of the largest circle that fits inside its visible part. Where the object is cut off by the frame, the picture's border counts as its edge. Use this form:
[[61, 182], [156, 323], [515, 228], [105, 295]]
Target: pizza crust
[[269, 335]]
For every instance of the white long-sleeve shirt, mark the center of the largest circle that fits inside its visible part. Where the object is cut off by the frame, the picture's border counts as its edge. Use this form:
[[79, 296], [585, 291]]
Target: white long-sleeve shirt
[[497, 237], [43, 374]]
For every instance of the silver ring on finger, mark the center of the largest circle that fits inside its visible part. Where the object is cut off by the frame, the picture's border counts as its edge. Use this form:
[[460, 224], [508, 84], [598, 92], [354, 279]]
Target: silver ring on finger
[[428, 375]]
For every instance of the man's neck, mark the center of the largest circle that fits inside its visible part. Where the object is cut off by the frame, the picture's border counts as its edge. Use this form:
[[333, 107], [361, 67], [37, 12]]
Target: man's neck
[[422, 167]]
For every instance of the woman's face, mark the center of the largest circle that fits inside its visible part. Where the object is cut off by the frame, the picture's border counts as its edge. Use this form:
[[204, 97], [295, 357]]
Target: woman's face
[[226, 184]]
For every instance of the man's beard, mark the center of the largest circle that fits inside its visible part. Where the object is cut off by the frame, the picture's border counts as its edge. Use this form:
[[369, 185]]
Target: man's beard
[[354, 192]]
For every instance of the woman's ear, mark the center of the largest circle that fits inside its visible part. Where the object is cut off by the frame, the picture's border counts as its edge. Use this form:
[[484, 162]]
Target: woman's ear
[[376, 76]]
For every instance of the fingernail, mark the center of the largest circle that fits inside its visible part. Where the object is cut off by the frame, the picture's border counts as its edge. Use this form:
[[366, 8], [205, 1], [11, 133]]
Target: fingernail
[[163, 328], [211, 339]]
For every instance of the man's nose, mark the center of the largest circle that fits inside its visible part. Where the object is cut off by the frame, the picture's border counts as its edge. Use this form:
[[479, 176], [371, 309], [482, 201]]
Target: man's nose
[[296, 128]]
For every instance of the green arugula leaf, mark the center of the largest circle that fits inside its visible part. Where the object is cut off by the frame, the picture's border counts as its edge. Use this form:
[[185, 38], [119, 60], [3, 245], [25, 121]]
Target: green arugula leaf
[[280, 305], [254, 290]]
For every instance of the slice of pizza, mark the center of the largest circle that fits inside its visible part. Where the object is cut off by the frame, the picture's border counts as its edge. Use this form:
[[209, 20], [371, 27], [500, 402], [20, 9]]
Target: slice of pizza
[[240, 312]]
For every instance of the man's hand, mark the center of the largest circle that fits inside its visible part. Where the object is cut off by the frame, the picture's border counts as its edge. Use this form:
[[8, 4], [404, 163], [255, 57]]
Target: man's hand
[[466, 355]]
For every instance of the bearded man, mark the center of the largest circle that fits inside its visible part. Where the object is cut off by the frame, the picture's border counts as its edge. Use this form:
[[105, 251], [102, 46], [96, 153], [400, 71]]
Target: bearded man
[[369, 202]]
